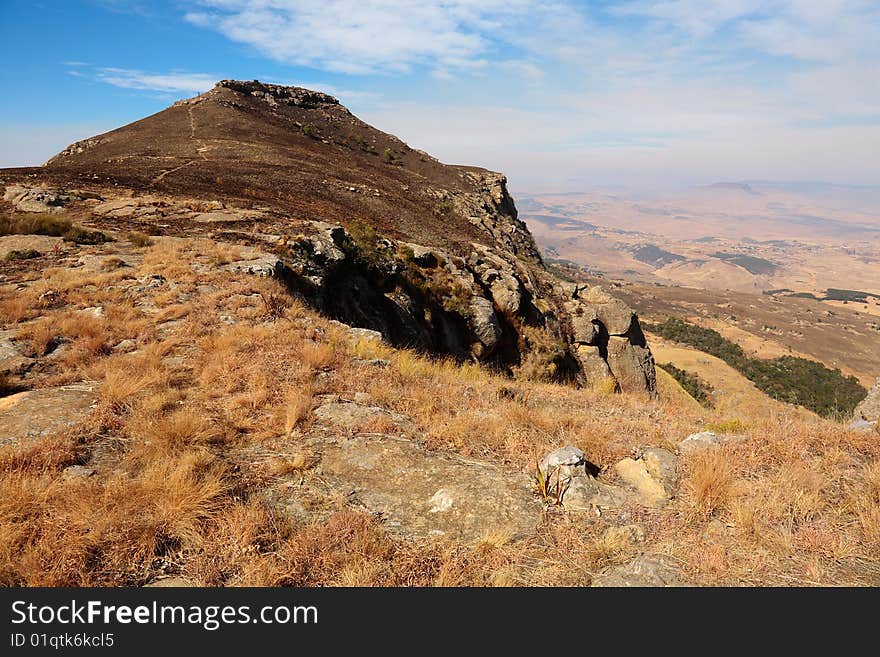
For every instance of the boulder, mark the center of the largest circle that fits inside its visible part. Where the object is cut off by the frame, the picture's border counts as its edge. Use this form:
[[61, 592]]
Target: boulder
[[484, 322], [635, 474], [566, 469], [586, 493], [662, 465], [568, 455], [594, 368]]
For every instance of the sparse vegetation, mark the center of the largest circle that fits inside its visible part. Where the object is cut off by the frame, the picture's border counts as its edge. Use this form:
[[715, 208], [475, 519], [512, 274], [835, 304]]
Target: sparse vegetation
[[445, 206], [54, 225], [203, 421], [390, 156], [140, 240]]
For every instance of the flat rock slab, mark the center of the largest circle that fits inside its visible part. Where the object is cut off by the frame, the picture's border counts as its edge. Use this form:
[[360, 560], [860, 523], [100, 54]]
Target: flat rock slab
[[30, 415], [355, 416], [645, 570], [421, 493]]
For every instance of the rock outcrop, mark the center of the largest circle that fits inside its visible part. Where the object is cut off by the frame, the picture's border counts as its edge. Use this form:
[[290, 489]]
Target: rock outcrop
[[869, 408], [370, 231]]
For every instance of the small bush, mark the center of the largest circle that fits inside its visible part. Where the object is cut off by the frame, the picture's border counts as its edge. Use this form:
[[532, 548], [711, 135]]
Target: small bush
[[52, 225], [364, 239], [24, 254], [444, 207], [390, 156], [139, 239]]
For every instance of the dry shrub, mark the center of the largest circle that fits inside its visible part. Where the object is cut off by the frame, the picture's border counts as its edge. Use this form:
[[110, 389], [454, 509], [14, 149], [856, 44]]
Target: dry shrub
[[17, 308], [176, 430], [864, 499], [710, 481], [87, 532], [297, 408], [317, 355], [48, 455], [41, 336], [711, 561]]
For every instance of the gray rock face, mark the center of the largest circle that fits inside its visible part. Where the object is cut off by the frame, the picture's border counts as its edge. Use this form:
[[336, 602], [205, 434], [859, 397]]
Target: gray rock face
[[585, 493], [421, 493], [869, 408], [471, 307], [274, 94], [862, 425], [12, 360], [26, 199], [609, 340], [646, 570], [485, 322]]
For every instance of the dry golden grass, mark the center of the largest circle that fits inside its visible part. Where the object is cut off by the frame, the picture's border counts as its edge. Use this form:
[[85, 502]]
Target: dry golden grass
[[797, 503], [710, 482]]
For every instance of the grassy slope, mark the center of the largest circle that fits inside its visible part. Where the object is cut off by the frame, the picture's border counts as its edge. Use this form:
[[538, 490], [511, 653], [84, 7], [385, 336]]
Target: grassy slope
[[798, 503]]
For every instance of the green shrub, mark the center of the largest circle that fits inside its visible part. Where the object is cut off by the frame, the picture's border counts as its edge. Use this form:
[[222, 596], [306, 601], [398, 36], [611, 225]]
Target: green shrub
[[24, 254], [364, 243], [390, 156], [444, 207], [693, 384]]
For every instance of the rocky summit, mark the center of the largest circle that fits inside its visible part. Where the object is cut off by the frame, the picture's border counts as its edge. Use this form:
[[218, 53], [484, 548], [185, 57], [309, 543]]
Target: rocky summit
[[368, 230]]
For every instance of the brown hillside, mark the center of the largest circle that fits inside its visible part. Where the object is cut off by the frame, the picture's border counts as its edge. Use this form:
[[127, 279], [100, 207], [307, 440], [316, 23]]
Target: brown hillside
[[290, 149]]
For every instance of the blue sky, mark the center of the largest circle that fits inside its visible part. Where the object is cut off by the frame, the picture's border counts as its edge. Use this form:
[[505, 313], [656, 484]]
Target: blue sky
[[559, 95]]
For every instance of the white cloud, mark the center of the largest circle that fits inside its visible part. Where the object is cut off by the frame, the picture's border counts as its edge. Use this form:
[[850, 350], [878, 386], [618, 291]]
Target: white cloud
[[364, 36], [175, 82]]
